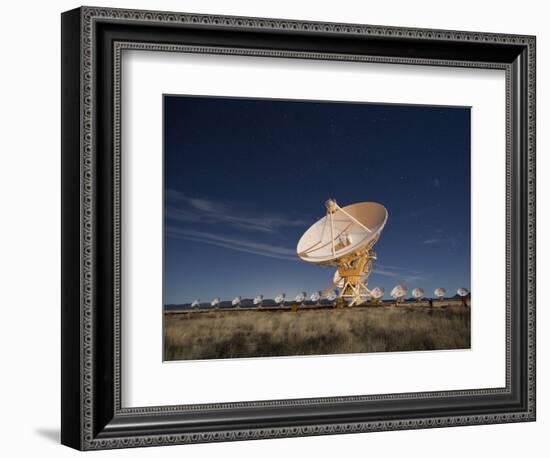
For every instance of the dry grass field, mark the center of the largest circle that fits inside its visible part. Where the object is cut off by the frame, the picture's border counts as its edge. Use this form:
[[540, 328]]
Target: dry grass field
[[252, 333]]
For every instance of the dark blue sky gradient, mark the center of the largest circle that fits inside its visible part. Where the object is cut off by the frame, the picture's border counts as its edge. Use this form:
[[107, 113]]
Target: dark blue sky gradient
[[244, 178]]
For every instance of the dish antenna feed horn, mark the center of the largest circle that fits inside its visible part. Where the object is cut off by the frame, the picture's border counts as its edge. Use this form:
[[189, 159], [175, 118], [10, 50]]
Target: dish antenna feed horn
[[344, 239]]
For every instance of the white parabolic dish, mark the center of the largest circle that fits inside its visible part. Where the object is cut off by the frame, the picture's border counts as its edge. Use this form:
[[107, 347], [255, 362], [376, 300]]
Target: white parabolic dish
[[315, 245]]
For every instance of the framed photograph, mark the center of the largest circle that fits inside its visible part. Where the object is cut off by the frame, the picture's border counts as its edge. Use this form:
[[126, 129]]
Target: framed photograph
[[276, 228], [246, 247]]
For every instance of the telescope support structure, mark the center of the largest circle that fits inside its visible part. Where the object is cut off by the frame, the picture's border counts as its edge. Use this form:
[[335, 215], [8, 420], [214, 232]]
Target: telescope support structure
[[355, 272], [356, 276]]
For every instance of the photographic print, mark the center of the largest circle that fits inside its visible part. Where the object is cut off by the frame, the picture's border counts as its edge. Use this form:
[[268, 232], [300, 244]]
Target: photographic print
[[301, 227]]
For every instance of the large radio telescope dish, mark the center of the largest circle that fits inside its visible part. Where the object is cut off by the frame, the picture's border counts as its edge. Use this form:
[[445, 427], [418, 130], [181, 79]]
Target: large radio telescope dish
[[344, 238], [301, 297], [418, 293], [279, 299], [195, 303], [258, 300], [343, 231], [215, 302], [440, 293]]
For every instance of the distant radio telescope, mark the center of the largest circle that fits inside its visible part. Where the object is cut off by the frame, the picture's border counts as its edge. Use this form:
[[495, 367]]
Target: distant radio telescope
[[280, 299], [462, 292], [300, 297], [399, 292], [332, 296], [440, 293], [315, 297], [377, 293], [344, 239], [337, 280], [258, 300], [236, 302], [215, 302], [195, 303], [418, 293]]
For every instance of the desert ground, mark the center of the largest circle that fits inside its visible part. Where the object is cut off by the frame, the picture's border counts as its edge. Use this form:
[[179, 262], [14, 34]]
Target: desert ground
[[220, 334]]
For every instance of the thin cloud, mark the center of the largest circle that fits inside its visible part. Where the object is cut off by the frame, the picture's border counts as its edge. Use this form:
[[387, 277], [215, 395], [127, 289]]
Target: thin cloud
[[412, 278], [246, 246], [401, 275], [385, 273], [270, 251], [394, 267], [187, 209], [431, 241]]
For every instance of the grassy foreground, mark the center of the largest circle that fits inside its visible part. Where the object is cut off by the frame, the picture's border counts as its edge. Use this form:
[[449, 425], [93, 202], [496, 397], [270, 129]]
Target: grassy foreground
[[229, 334]]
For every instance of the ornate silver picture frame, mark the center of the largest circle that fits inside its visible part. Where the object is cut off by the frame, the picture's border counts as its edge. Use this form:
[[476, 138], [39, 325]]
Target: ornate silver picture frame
[[93, 416]]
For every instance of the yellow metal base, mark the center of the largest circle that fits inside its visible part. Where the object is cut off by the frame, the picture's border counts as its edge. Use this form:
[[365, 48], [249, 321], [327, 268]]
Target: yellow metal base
[[355, 275]]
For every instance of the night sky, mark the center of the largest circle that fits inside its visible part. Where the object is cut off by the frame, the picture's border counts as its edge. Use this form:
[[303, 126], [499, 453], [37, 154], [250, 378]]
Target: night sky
[[244, 178]]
